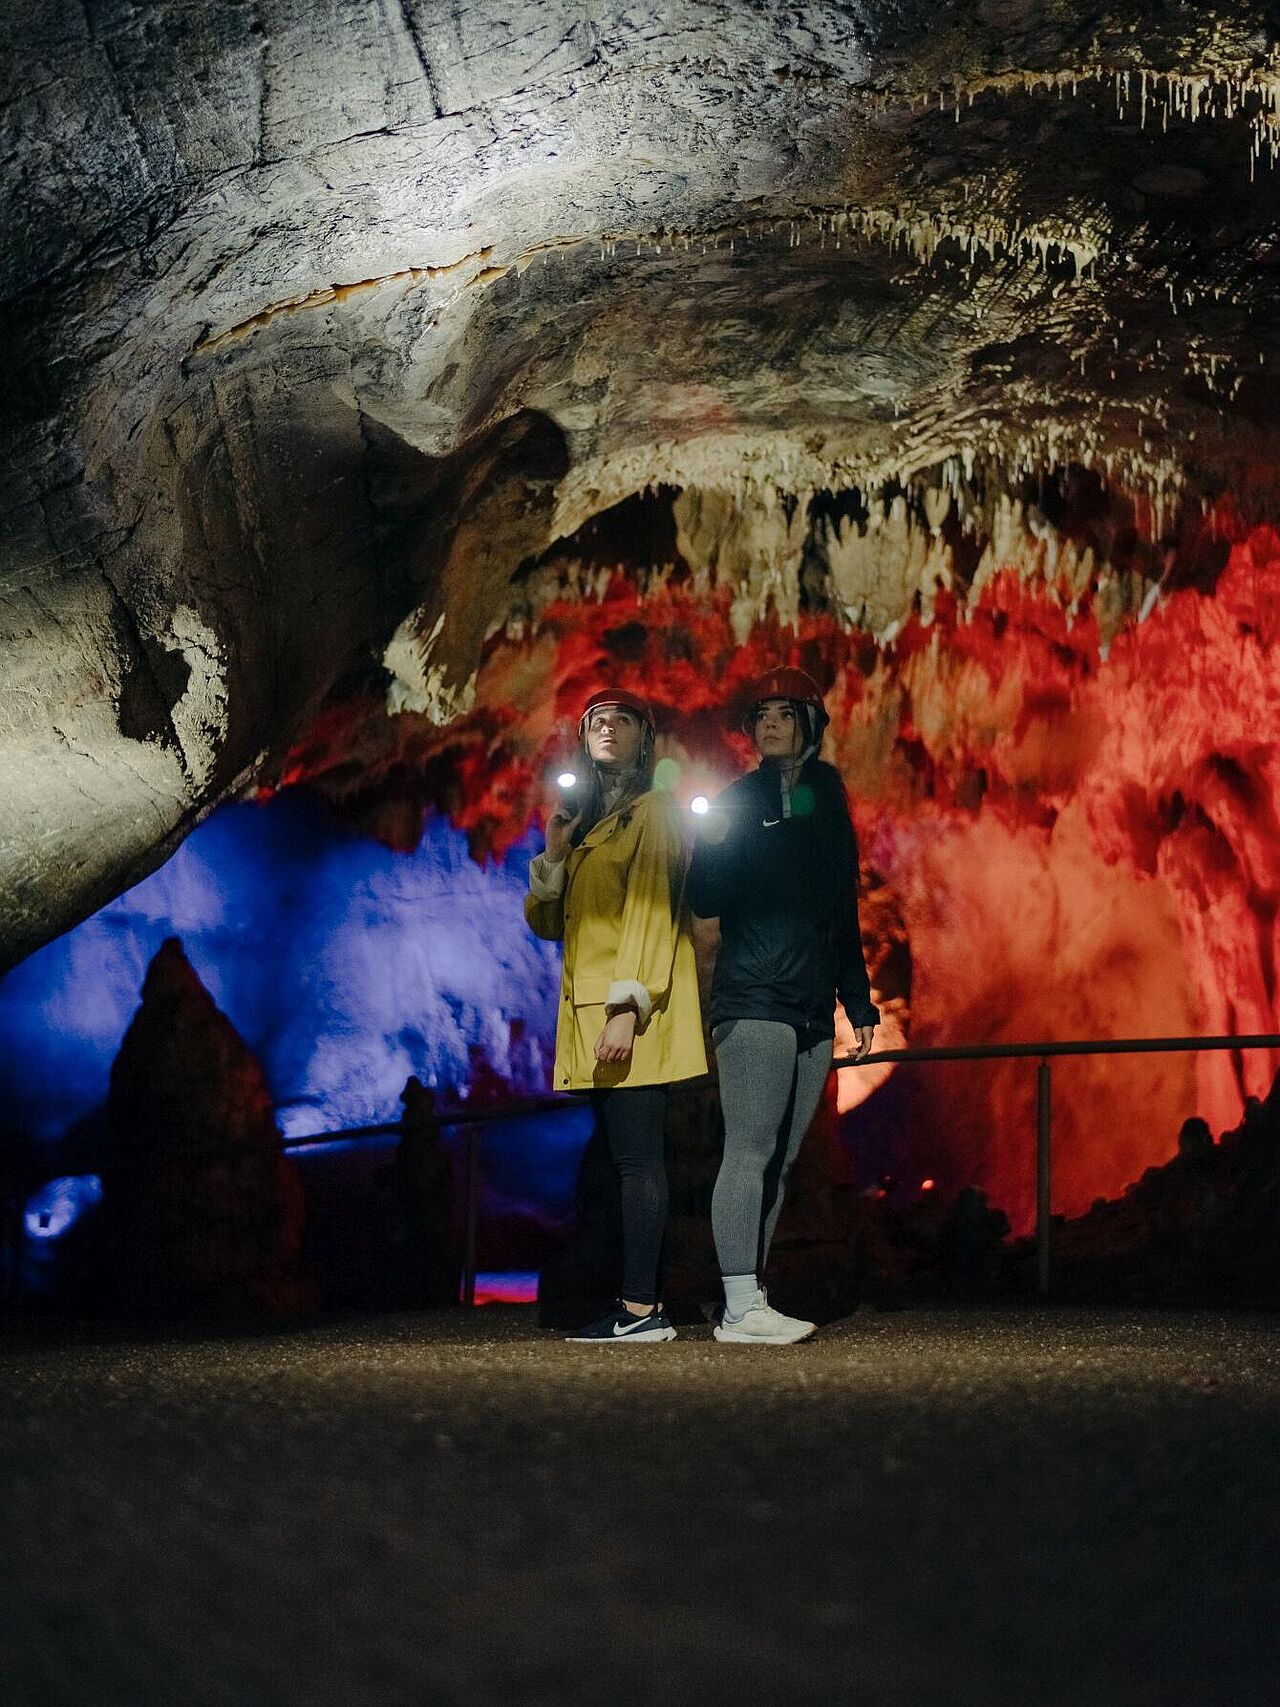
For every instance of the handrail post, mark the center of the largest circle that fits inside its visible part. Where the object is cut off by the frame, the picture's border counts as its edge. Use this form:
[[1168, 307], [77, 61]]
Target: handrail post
[[1044, 1170], [471, 1214]]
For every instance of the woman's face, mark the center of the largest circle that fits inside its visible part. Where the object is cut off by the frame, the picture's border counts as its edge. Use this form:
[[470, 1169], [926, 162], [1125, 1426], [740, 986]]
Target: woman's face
[[778, 732], [613, 736]]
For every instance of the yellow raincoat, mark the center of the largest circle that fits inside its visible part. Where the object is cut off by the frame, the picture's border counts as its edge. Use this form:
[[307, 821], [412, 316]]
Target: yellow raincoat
[[625, 929]]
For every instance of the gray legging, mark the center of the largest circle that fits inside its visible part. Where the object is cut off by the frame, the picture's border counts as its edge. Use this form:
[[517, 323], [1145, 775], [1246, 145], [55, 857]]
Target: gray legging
[[769, 1091]]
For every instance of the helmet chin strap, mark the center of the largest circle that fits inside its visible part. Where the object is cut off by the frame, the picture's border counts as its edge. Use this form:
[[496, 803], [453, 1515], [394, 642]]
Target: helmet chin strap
[[615, 778], [788, 770], [794, 763]]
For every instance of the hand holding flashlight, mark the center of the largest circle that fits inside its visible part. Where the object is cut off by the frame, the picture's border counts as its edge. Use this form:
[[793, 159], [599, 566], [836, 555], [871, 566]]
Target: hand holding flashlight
[[564, 819]]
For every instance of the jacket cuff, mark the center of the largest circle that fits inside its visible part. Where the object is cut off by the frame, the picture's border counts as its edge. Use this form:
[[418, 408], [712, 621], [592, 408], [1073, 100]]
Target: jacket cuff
[[868, 1014], [624, 990], [547, 881]]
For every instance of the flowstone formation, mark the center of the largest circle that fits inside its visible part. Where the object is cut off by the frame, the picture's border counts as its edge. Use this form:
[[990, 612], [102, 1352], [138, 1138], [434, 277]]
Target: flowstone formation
[[932, 342]]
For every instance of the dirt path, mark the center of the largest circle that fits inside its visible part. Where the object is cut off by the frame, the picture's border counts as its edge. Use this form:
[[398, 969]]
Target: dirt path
[[950, 1508]]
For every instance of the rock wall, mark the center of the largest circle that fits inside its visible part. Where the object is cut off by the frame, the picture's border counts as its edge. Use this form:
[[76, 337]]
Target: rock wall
[[319, 321]]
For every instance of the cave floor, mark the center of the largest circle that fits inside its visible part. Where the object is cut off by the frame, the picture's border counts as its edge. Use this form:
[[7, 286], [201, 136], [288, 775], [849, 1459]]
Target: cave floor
[[1037, 1506]]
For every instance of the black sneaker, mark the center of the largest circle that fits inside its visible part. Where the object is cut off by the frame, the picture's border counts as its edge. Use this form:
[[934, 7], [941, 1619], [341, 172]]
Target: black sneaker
[[620, 1326]]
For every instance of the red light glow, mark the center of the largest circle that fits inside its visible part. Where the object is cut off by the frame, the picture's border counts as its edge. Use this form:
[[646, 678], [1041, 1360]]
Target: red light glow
[[507, 1287], [1074, 846]]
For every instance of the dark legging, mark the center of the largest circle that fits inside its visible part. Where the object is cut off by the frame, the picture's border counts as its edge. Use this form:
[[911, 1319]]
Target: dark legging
[[633, 1120]]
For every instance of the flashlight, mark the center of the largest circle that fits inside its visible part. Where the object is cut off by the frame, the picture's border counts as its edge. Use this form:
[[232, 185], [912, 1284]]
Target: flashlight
[[567, 783], [699, 805]]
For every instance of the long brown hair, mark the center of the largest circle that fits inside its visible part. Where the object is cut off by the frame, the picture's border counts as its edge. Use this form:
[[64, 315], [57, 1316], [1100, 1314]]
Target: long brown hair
[[639, 782]]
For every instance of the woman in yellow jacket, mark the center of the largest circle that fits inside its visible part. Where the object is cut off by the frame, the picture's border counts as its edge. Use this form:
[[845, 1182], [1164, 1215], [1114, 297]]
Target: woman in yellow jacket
[[610, 885]]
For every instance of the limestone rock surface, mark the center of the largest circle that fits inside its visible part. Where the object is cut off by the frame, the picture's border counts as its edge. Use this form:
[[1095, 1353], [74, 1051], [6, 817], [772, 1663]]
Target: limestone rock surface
[[320, 320]]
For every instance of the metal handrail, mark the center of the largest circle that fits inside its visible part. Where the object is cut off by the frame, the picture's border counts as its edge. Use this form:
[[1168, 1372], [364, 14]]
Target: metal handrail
[[1044, 1052], [471, 1119], [464, 1116], [474, 1119], [1101, 1046]]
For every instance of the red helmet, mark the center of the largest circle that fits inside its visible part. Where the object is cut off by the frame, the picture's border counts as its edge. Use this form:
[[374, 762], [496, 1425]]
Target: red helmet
[[795, 685], [617, 696]]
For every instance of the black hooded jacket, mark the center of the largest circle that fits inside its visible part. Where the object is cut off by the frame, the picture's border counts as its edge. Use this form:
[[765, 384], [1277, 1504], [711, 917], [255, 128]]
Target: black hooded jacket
[[785, 889]]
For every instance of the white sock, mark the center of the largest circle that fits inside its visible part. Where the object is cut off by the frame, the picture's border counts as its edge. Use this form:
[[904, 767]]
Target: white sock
[[739, 1295]]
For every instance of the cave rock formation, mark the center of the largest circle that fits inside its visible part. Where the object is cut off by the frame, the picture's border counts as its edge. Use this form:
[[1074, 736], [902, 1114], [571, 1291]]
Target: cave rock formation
[[375, 376]]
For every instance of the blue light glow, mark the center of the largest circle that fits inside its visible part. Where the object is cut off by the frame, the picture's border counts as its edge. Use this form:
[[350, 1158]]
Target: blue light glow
[[58, 1203], [345, 967], [507, 1286]]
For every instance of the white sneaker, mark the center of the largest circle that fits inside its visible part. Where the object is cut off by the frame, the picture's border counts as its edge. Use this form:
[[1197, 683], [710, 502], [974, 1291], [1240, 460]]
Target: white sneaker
[[763, 1325]]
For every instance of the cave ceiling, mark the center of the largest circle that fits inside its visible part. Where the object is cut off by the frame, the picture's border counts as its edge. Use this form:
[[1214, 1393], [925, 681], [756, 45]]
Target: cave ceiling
[[330, 328]]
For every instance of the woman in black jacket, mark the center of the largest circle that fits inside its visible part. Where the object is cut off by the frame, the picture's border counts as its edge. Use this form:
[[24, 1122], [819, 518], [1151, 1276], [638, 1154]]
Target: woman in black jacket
[[778, 866]]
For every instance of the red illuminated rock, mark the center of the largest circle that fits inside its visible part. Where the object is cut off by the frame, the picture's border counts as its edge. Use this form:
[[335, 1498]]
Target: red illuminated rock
[[1057, 844], [1203, 1227]]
